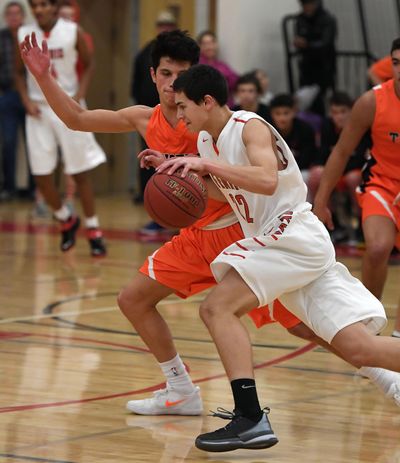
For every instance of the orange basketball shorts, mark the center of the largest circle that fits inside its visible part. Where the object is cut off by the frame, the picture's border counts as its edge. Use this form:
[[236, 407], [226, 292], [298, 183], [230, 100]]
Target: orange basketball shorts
[[381, 196], [183, 264]]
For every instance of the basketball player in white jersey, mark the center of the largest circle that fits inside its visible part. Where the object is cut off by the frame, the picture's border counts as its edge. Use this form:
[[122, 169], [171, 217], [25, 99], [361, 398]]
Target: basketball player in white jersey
[[286, 254], [38, 62], [45, 131]]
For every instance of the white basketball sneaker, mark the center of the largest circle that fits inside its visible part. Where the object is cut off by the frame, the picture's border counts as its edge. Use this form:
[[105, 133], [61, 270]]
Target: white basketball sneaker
[[394, 393], [168, 402]]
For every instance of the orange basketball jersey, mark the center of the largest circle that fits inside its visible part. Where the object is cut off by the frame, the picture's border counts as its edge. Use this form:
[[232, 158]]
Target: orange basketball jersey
[[162, 137], [385, 133]]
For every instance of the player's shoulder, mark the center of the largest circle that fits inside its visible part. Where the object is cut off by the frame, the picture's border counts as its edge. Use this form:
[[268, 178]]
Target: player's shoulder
[[67, 25], [366, 101], [25, 29], [204, 138]]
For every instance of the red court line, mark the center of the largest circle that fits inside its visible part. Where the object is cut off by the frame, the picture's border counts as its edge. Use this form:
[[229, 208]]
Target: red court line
[[17, 408]]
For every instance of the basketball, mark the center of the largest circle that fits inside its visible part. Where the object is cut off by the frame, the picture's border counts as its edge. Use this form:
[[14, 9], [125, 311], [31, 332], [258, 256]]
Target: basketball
[[174, 201]]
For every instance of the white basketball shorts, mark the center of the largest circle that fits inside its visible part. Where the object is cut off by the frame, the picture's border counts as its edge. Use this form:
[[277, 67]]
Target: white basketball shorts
[[298, 266], [80, 151]]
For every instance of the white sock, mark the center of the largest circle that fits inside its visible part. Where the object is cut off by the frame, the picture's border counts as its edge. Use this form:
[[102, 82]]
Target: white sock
[[92, 222], [63, 213], [383, 379], [176, 375], [396, 334]]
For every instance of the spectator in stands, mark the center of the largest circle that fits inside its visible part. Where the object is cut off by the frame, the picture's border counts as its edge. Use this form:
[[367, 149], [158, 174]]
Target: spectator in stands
[[340, 105], [208, 44], [266, 94], [315, 33], [69, 10], [144, 92], [247, 94], [12, 114], [381, 71], [299, 135]]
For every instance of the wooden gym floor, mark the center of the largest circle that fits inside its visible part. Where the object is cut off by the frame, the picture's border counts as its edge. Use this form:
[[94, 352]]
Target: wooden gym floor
[[69, 361]]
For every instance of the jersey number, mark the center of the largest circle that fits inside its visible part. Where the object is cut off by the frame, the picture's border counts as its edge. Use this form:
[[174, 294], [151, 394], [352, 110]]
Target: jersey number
[[242, 207]]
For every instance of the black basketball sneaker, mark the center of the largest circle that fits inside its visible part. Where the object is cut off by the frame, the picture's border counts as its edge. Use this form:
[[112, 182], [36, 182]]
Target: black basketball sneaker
[[240, 433]]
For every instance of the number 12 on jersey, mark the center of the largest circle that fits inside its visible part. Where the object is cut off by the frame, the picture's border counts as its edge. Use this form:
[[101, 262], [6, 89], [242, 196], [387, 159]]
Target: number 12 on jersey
[[242, 207]]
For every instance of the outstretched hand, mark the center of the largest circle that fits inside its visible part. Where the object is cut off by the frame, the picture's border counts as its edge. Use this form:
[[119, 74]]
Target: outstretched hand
[[150, 158], [36, 59], [189, 163]]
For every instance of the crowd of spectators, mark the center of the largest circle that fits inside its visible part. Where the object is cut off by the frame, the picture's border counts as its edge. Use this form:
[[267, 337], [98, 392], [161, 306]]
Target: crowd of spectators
[[310, 120]]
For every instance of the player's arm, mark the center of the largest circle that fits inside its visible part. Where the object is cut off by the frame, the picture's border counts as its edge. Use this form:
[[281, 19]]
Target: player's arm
[[67, 109], [260, 177], [361, 119], [86, 56]]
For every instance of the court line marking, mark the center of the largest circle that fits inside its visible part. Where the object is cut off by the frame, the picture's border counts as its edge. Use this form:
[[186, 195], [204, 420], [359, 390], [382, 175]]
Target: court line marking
[[297, 352], [38, 459], [84, 312], [106, 309]]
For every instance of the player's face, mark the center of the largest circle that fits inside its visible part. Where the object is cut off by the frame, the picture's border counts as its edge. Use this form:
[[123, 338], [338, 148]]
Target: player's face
[[396, 66], [282, 117], [164, 77], [43, 11], [14, 17], [193, 115], [340, 115]]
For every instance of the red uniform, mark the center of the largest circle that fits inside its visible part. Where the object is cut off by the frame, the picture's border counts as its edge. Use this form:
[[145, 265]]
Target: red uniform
[[183, 264], [379, 194]]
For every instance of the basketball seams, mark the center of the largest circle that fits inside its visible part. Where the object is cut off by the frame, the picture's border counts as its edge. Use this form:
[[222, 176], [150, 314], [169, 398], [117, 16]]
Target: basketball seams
[[158, 197], [188, 185]]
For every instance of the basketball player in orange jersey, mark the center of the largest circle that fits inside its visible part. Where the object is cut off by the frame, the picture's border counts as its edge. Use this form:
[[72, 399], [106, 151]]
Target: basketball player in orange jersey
[[169, 270], [377, 110]]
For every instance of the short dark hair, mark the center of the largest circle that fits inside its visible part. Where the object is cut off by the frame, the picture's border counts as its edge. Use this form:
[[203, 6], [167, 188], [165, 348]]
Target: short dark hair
[[341, 99], [203, 34], [395, 45], [202, 80], [177, 45], [282, 100], [249, 78], [53, 2], [13, 3]]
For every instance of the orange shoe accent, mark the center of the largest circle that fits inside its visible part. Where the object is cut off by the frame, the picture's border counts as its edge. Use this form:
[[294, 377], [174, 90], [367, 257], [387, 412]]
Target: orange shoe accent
[[176, 402]]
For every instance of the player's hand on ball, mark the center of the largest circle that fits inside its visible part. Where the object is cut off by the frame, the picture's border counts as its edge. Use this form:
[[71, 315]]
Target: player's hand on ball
[[36, 59], [189, 163], [150, 158]]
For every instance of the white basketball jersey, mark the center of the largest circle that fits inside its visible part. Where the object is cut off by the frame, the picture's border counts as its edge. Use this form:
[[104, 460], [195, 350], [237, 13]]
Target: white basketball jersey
[[61, 41], [256, 212]]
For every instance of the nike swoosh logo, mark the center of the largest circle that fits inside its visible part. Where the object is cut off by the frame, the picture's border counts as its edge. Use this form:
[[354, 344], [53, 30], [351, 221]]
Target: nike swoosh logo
[[176, 402], [246, 387], [205, 139]]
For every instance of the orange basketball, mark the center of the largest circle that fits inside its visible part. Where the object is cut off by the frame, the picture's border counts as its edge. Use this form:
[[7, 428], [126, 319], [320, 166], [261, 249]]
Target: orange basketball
[[174, 201]]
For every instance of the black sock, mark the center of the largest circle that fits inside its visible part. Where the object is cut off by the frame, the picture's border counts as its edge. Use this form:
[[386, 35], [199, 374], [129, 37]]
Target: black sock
[[246, 400]]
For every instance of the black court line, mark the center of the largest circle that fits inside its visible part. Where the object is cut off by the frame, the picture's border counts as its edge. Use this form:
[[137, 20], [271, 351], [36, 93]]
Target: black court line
[[316, 370], [23, 457], [81, 346], [73, 439], [49, 309]]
